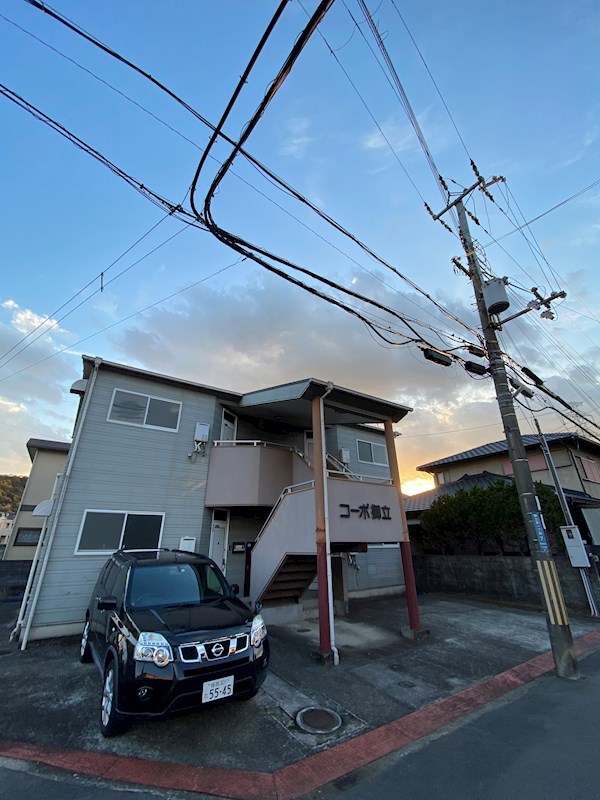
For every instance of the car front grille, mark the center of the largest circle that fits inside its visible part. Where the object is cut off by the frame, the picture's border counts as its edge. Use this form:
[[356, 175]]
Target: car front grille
[[215, 649]]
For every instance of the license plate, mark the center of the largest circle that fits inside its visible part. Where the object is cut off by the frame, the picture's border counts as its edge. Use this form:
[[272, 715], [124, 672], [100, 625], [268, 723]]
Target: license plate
[[217, 689]]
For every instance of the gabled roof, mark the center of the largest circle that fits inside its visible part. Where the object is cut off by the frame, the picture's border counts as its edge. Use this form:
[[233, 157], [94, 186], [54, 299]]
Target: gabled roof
[[498, 448], [423, 501], [125, 369], [290, 402]]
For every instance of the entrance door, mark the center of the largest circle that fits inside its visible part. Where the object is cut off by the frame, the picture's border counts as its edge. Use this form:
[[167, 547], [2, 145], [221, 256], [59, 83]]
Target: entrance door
[[219, 538], [228, 426]]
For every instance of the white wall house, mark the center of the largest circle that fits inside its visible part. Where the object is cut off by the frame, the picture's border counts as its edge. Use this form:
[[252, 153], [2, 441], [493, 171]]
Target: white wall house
[[157, 461]]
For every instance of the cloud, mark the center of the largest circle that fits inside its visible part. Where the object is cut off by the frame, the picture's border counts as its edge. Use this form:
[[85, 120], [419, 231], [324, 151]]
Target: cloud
[[9, 304], [34, 401], [297, 138], [266, 332], [400, 137]]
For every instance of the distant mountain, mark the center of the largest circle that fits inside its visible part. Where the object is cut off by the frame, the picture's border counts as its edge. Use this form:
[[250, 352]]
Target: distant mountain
[[11, 489]]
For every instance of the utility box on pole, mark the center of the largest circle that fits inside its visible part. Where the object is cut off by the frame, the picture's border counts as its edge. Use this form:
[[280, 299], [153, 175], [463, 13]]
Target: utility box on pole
[[575, 546]]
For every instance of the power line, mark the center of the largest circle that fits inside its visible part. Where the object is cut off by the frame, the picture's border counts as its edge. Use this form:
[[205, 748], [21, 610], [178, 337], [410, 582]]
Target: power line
[[97, 277], [149, 194], [121, 321], [437, 88], [269, 174], [55, 322], [405, 101]]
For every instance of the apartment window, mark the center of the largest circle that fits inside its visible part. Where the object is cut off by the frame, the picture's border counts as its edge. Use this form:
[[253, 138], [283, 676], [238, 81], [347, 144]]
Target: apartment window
[[27, 537], [107, 531], [371, 453], [132, 408], [590, 470]]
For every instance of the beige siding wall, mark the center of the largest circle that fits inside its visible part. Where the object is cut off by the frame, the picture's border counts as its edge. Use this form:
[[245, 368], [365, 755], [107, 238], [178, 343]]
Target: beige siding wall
[[44, 469]]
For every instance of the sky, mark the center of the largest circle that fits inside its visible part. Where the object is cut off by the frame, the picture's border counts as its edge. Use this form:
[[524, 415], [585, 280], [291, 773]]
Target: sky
[[511, 85]]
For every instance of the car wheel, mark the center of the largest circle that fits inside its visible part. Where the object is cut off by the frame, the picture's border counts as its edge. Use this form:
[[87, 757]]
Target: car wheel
[[111, 722], [85, 654]]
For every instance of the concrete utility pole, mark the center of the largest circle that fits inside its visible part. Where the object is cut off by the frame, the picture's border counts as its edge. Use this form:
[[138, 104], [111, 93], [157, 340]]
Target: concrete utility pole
[[557, 619]]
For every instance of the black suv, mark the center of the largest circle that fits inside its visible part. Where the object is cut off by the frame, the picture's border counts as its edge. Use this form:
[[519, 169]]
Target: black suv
[[168, 633]]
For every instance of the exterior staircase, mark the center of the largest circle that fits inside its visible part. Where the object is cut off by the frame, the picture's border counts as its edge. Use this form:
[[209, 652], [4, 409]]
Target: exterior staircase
[[295, 575]]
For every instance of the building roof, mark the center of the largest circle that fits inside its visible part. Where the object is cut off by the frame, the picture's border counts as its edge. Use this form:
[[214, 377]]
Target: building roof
[[88, 364], [33, 445], [498, 448], [341, 406], [423, 500], [290, 402]]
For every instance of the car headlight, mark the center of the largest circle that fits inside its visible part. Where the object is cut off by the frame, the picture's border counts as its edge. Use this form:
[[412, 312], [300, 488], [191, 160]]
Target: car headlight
[[153, 647], [258, 631]]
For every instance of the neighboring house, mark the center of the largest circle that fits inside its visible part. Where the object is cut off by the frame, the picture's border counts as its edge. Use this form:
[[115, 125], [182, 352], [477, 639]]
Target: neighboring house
[[47, 461], [157, 461], [577, 462], [6, 522], [415, 504]]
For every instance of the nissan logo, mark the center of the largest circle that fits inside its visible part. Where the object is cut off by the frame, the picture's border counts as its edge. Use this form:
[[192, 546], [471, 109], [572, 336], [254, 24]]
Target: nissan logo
[[218, 649]]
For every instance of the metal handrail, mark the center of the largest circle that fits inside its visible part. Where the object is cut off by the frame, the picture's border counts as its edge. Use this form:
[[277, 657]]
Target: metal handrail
[[332, 473], [252, 443]]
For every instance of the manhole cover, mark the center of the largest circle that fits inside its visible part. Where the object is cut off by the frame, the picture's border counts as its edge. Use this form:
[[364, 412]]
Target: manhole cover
[[318, 720]]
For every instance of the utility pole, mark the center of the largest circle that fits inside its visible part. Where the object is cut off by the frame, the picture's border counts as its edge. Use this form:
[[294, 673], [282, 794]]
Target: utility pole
[[557, 619]]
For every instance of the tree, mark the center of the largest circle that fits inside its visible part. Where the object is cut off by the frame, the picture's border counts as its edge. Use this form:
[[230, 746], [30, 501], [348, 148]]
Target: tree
[[486, 521], [11, 489]]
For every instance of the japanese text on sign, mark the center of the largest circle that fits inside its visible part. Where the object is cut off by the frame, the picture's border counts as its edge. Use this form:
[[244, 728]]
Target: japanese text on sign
[[366, 511]]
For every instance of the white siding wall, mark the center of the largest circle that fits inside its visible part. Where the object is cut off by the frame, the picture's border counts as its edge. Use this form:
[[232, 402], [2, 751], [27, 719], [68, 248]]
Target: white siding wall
[[347, 436], [130, 468]]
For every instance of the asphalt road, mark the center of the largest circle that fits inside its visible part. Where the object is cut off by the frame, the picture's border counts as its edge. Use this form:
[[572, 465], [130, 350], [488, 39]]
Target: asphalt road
[[539, 743]]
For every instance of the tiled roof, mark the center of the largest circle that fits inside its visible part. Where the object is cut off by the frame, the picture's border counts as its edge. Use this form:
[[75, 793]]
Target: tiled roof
[[422, 501], [495, 448]]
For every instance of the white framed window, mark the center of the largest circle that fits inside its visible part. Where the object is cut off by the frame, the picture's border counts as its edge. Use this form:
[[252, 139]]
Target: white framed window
[[144, 411], [371, 453], [103, 531]]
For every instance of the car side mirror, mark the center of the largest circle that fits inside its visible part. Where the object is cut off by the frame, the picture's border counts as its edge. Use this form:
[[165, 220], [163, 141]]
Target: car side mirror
[[235, 589], [106, 603]]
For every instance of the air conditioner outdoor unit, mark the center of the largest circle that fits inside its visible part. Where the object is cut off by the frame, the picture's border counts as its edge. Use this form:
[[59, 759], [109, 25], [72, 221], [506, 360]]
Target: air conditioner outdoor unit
[[344, 455]]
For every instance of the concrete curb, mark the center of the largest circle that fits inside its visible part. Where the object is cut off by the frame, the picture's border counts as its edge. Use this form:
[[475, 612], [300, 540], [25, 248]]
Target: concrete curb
[[312, 772]]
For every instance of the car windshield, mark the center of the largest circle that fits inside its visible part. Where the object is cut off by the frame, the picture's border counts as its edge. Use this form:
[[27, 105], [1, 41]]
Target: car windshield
[[175, 585]]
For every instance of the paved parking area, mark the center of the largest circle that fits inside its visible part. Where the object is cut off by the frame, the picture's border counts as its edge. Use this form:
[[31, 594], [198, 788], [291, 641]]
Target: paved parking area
[[51, 701]]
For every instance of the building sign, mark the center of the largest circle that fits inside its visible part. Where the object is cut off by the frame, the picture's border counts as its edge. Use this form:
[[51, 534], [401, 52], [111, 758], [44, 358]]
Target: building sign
[[366, 511]]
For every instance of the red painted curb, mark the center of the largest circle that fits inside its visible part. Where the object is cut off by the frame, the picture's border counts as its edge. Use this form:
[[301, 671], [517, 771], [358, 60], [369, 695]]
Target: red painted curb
[[312, 772]]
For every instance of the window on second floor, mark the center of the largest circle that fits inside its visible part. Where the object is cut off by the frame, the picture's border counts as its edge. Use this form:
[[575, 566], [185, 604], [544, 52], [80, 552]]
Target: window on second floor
[[27, 537], [133, 408], [590, 470], [371, 453]]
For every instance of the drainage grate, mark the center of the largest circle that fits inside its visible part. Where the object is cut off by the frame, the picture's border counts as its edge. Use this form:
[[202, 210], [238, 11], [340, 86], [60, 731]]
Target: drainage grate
[[318, 720]]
